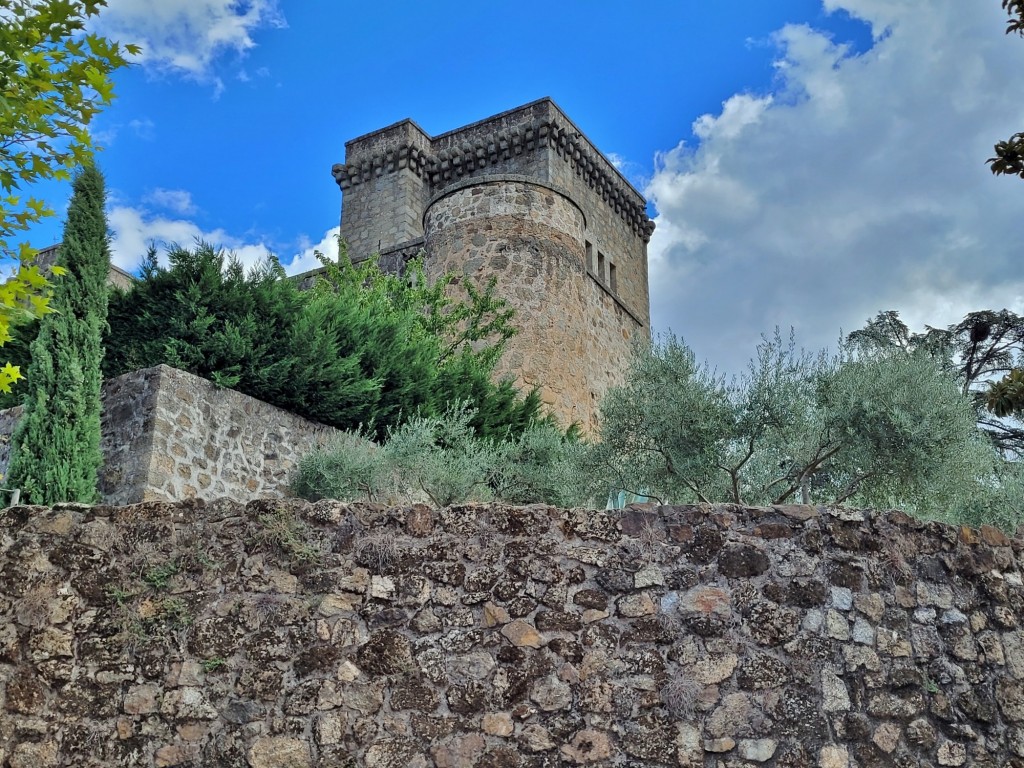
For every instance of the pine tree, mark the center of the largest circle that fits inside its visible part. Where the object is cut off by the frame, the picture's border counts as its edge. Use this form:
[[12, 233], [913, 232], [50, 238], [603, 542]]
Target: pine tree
[[56, 447]]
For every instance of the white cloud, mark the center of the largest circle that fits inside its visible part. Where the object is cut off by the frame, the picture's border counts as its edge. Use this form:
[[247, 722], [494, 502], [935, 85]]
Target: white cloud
[[176, 200], [144, 128], [306, 259], [858, 185], [135, 229], [186, 37]]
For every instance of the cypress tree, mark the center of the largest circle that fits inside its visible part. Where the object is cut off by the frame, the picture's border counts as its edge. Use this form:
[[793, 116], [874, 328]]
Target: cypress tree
[[56, 446]]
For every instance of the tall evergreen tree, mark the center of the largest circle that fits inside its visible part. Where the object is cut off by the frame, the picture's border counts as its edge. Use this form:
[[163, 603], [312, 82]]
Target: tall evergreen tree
[[56, 447]]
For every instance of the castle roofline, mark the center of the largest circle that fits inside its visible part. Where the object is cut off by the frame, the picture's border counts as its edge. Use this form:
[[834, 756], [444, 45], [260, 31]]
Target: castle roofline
[[473, 149], [561, 114], [441, 137], [388, 129]]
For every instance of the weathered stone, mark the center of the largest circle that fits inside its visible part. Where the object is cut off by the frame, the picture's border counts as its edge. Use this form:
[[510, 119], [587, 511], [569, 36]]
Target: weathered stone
[[142, 699], [886, 737], [723, 744], [834, 757], [835, 696], [706, 600], [837, 625], [951, 753], [460, 751], [587, 746], [649, 576], [279, 752], [734, 716], [497, 724], [757, 750], [550, 693], [634, 606], [174, 754], [536, 738], [494, 615], [1010, 696], [522, 634], [187, 704], [34, 755], [742, 562], [714, 669]]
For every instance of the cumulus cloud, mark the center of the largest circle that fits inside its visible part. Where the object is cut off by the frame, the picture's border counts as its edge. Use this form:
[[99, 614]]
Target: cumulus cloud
[[143, 128], [176, 200], [857, 185], [135, 229], [306, 259], [186, 37]]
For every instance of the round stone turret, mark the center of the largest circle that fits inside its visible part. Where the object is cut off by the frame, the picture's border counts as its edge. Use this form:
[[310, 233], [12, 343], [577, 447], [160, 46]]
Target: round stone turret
[[532, 237]]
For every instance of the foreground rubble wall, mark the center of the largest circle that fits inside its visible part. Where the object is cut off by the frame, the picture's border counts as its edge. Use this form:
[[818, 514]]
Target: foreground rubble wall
[[283, 633]]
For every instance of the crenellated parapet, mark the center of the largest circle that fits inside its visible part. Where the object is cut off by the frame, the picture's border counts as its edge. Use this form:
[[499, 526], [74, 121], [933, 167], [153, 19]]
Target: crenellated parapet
[[489, 146]]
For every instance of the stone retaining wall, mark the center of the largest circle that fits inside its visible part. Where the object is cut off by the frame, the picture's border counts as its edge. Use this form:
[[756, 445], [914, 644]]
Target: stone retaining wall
[[170, 435], [295, 634]]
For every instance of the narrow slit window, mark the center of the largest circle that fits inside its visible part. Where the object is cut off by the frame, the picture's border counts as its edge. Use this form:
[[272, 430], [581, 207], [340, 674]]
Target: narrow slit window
[[590, 256], [613, 281], [600, 267]]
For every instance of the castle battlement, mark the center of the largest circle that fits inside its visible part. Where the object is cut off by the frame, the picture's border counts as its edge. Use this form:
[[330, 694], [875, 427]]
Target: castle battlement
[[489, 145], [526, 197]]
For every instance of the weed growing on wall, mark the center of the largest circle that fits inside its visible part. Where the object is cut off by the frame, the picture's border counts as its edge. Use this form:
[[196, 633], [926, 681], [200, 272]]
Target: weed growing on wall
[[284, 533]]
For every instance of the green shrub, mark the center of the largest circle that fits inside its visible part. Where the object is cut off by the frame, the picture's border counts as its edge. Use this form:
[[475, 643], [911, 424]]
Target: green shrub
[[349, 467], [362, 349], [442, 460]]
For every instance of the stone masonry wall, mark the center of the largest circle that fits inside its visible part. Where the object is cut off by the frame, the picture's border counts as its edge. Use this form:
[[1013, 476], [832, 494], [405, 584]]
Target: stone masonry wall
[[283, 633], [573, 333], [167, 435], [395, 180]]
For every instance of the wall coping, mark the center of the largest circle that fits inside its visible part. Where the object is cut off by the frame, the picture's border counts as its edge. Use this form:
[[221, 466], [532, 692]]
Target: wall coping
[[500, 178]]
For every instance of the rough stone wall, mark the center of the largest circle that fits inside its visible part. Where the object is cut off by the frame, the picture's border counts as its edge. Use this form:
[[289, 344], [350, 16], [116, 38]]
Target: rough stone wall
[[288, 634], [209, 442], [530, 236], [130, 404], [168, 435]]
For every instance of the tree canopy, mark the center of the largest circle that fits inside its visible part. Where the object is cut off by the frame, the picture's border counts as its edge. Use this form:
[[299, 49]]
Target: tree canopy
[[879, 427], [984, 352], [1009, 157], [54, 78], [361, 350]]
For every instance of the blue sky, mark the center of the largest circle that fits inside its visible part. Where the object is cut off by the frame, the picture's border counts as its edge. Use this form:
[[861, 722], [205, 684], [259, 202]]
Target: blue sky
[[809, 162]]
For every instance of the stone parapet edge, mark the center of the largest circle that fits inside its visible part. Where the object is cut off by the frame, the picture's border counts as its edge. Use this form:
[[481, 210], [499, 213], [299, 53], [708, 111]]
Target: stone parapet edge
[[500, 178], [570, 144]]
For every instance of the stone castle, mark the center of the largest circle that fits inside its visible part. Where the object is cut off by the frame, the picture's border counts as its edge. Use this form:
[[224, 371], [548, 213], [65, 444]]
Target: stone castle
[[526, 197]]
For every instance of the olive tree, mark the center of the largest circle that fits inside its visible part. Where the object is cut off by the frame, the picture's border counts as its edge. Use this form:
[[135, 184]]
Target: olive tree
[[879, 428]]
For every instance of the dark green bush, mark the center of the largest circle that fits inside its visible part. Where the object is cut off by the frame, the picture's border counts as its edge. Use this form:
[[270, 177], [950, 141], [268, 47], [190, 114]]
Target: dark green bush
[[361, 350]]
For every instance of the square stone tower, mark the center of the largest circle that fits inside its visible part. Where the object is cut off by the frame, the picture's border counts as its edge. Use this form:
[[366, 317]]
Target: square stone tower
[[524, 196]]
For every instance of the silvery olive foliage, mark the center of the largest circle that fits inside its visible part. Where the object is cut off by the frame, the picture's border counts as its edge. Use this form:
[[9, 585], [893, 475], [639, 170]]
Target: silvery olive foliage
[[878, 428], [441, 460]]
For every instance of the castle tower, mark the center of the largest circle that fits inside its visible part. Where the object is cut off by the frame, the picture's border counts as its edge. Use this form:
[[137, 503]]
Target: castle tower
[[526, 197]]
